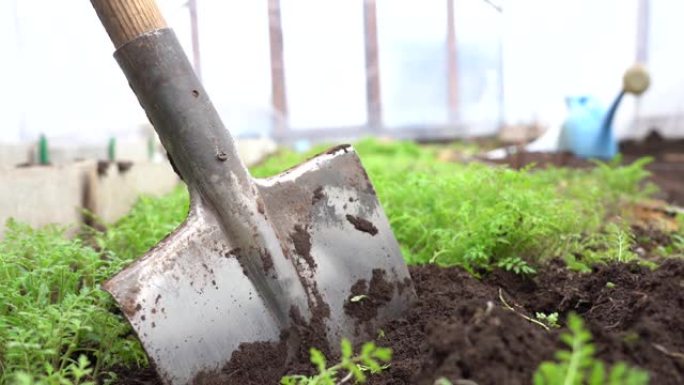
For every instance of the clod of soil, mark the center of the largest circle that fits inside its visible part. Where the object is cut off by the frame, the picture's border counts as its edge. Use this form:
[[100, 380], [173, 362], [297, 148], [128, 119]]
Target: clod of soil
[[302, 244], [318, 194], [337, 148], [102, 167], [124, 166], [459, 329], [267, 261], [249, 358], [362, 225], [364, 301]]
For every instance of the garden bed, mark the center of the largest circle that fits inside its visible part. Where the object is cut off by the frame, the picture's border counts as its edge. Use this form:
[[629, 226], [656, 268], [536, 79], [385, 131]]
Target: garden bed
[[667, 166], [461, 329], [491, 251]]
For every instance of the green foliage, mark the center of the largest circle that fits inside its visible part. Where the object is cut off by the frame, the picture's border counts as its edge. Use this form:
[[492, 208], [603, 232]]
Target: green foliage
[[480, 217], [550, 320], [55, 323], [612, 242], [578, 366], [516, 265], [369, 360], [57, 326], [150, 220]]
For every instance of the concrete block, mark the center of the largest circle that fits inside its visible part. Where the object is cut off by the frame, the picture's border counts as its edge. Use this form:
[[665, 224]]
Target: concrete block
[[253, 151], [42, 195], [119, 185], [12, 155]]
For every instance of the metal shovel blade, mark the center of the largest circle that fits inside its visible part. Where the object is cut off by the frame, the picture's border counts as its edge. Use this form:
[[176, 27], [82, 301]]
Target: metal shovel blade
[[256, 259], [192, 303]]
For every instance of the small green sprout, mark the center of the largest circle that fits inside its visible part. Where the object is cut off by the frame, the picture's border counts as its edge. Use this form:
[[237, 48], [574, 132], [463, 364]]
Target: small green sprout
[[381, 334], [369, 360], [516, 265], [550, 320], [578, 366]]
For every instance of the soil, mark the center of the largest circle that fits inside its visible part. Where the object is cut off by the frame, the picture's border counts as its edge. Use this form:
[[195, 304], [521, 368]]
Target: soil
[[122, 166], [460, 329], [302, 243], [362, 225], [364, 301]]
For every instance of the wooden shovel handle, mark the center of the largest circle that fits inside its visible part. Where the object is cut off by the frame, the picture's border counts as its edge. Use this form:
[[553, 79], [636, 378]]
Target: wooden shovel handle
[[125, 20]]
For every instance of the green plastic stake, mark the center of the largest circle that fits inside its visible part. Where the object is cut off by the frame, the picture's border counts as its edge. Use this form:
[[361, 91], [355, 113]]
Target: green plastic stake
[[150, 148], [111, 149], [43, 151]]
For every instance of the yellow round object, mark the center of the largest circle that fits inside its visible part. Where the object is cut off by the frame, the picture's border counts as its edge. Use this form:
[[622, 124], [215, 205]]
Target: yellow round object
[[636, 80]]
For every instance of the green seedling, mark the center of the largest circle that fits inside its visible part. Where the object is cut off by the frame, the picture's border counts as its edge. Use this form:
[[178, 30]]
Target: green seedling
[[550, 320], [578, 365], [52, 312], [55, 323], [516, 265], [351, 367]]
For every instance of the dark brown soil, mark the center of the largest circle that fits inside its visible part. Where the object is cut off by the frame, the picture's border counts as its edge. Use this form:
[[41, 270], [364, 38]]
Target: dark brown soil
[[364, 301], [302, 243], [460, 329], [362, 225]]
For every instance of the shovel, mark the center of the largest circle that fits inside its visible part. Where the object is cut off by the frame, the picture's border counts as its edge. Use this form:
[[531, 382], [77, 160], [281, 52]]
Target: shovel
[[305, 257]]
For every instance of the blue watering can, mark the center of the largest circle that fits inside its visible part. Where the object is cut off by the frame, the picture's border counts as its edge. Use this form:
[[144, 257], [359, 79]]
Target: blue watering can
[[588, 130]]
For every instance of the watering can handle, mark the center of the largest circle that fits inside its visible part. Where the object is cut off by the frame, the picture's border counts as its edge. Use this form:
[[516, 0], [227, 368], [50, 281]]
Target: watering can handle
[[124, 20]]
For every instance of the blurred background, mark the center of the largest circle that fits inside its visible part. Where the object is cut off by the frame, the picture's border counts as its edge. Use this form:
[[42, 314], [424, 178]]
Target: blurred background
[[324, 70]]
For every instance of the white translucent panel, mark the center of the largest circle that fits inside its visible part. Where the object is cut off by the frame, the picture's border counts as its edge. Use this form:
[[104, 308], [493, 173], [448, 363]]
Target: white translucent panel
[[235, 62], [478, 48], [413, 72], [557, 48], [324, 62], [662, 106], [70, 86], [11, 102]]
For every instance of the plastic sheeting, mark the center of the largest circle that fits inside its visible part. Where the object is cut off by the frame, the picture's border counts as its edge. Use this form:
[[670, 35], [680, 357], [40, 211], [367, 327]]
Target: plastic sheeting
[[513, 67]]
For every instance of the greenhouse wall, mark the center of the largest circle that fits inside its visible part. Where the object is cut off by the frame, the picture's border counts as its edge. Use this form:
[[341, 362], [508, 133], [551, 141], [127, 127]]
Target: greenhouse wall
[[515, 62]]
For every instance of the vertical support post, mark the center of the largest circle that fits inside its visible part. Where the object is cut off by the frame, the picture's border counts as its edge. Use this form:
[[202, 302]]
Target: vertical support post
[[452, 64], [192, 6], [643, 17], [373, 101], [643, 26], [279, 96]]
